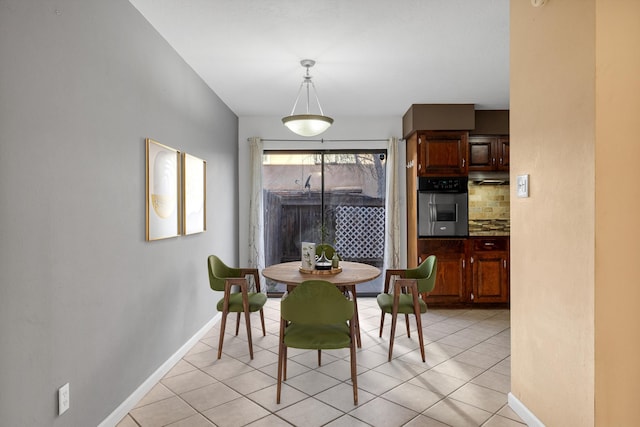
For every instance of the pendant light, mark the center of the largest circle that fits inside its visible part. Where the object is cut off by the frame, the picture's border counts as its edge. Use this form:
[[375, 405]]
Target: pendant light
[[307, 124]]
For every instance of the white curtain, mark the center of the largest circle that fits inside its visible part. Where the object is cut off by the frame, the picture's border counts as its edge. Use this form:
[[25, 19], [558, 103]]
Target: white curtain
[[392, 238], [256, 218]]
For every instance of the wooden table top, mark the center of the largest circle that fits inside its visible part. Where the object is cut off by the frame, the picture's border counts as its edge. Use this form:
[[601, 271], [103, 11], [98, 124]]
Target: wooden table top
[[352, 273]]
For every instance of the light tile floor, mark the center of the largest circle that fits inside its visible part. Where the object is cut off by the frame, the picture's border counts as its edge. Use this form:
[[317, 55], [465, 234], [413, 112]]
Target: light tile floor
[[464, 382]]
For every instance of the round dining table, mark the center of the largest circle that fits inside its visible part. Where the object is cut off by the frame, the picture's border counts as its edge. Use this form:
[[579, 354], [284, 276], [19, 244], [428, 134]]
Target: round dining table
[[351, 273]]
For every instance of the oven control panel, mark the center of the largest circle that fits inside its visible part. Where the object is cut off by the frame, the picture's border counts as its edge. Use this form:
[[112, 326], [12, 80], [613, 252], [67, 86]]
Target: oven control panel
[[443, 185]]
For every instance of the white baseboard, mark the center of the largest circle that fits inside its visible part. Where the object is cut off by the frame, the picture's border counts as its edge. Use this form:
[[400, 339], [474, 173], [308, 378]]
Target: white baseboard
[[523, 412], [125, 407]]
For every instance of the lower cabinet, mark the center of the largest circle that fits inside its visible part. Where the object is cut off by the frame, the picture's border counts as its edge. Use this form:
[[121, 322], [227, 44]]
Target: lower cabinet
[[470, 271], [451, 273], [489, 260]]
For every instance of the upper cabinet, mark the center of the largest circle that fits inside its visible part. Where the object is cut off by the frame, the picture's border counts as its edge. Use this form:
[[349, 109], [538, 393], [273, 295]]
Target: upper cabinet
[[503, 144], [488, 153], [442, 153]]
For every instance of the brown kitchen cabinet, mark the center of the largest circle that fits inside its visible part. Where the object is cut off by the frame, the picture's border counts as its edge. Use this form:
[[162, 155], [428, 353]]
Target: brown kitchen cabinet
[[489, 261], [442, 153], [430, 153], [472, 270], [488, 153], [451, 278]]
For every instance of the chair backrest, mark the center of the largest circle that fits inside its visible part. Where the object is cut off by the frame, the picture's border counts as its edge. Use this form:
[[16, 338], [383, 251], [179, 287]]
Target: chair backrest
[[425, 273], [316, 302], [218, 272]]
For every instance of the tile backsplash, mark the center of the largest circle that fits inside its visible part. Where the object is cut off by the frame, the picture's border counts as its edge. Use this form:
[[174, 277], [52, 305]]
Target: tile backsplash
[[488, 202]]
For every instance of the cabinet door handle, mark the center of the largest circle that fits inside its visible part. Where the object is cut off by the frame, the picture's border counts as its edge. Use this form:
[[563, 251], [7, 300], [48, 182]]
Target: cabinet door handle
[[464, 162], [464, 264], [504, 262], [489, 243], [501, 160], [493, 161], [471, 260]]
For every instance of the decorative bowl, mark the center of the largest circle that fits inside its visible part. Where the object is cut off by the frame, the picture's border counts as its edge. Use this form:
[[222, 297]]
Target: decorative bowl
[[323, 265]]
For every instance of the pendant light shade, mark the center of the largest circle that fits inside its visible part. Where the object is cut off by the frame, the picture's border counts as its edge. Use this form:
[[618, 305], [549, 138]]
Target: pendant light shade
[[307, 124]]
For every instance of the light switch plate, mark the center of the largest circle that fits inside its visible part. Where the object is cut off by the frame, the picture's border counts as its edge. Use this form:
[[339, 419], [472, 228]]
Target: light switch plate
[[522, 185]]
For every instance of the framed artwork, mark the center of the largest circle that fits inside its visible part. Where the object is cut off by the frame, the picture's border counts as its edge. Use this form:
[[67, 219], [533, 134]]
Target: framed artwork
[[162, 187], [194, 194]]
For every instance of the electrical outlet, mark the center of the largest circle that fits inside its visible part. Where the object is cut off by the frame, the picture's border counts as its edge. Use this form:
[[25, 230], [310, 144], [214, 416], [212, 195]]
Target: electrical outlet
[[63, 399]]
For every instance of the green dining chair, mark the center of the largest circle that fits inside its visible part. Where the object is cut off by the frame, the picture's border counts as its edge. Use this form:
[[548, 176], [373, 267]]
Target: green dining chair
[[316, 315], [409, 288], [239, 300]]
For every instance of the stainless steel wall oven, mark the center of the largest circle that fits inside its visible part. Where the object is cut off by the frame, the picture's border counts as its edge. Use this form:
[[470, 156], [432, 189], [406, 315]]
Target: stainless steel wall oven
[[443, 207]]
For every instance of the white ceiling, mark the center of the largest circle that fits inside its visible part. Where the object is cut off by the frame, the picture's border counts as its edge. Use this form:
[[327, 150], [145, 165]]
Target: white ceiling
[[373, 57]]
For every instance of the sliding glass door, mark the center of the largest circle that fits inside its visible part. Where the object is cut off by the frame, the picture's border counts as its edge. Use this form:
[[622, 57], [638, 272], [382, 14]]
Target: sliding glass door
[[333, 197]]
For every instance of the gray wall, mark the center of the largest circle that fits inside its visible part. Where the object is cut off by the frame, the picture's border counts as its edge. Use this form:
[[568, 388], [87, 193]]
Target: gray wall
[[84, 298]]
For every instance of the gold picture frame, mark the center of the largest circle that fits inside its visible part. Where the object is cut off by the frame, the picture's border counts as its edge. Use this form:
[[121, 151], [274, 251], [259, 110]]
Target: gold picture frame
[[194, 194], [162, 191]]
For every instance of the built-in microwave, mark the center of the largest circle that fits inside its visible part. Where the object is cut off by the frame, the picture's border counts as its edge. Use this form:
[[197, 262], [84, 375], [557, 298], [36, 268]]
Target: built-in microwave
[[443, 207]]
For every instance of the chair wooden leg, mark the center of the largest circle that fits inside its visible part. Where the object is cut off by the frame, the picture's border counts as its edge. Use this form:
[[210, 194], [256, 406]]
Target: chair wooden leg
[[381, 324], [420, 338], [354, 373], [264, 331], [279, 386], [319, 357], [223, 324], [247, 316], [394, 317], [356, 319], [284, 363], [280, 361], [416, 311], [406, 321]]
